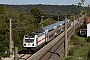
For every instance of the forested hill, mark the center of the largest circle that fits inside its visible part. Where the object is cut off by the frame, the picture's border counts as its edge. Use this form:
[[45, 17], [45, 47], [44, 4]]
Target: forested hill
[[48, 9]]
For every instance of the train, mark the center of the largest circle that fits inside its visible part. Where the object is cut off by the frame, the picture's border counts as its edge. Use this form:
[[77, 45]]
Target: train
[[32, 42]]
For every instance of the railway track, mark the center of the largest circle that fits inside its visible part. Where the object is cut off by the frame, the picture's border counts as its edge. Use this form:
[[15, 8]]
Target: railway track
[[25, 56], [53, 53], [52, 50]]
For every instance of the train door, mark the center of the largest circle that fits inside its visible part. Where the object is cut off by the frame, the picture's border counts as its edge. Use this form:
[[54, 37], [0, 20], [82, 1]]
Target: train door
[[59, 30], [46, 36], [55, 29], [63, 27]]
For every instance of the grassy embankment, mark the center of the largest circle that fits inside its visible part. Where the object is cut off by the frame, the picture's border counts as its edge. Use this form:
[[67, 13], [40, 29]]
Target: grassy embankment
[[78, 47]]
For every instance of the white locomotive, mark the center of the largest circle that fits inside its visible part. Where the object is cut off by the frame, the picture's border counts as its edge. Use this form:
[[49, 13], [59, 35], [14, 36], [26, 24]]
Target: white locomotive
[[35, 40]]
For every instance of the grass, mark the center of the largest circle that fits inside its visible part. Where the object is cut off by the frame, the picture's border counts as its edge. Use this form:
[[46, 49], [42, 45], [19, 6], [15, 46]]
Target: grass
[[81, 52], [78, 48]]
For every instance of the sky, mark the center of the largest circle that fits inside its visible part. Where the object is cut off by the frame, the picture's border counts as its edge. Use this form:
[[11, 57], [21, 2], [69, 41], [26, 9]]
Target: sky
[[50, 2]]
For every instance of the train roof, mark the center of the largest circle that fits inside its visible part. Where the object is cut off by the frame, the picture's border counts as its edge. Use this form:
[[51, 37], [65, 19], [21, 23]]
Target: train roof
[[40, 31], [68, 20], [30, 35], [59, 23], [50, 27]]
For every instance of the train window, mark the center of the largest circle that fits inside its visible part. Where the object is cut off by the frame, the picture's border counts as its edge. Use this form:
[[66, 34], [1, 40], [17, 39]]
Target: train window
[[83, 32], [29, 40], [36, 39], [64, 24], [51, 30], [78, 19], [26, 40]]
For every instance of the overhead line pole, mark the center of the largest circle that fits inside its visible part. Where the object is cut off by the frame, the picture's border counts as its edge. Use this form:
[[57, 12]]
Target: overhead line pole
[[10, 40], [58, 18], [66, 42], [74, 24], [42, 20]]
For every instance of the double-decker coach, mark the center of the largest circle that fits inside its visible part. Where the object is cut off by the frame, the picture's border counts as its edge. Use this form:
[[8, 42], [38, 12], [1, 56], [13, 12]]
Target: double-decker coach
[[35, 40]]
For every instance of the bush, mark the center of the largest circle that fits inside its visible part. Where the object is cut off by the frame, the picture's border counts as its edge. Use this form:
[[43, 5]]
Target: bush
[[88, 39], [76, 40], [69, 58], [71, 52], [88, 54]]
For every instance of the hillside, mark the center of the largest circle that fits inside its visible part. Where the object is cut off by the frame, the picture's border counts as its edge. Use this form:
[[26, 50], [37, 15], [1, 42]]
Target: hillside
[[49, 9]]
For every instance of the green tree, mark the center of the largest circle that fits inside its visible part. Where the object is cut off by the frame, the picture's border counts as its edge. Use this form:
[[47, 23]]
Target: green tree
[[2, 9], [79, 3], [82, 1], [37, 13]]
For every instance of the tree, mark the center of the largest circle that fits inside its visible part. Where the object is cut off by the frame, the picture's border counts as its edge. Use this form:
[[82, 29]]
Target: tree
[[37, 13], [89, 5], [79, 3], [82, 1], [2, 9]]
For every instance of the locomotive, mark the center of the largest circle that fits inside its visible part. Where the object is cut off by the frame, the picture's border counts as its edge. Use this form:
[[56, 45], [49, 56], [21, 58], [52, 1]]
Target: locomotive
[[35, 40]]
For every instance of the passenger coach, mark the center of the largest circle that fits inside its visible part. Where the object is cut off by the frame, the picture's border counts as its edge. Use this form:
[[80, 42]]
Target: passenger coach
[[35, 40]]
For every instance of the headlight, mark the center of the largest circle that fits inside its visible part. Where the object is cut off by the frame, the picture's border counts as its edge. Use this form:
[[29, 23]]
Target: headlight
[[32, 44], [24, 44]]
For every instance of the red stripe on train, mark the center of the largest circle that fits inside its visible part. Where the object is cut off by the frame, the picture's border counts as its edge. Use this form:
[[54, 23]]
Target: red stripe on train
[[46, 37]]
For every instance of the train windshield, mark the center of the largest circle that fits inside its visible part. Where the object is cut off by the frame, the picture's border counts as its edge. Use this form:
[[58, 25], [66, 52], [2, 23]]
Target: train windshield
[[29, 40]]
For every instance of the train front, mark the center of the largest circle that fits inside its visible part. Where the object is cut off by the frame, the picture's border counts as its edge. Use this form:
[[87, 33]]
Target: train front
[[29, 42]]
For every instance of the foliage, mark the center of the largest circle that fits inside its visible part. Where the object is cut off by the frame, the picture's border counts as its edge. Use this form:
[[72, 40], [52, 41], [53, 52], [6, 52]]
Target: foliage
[[88, 39], [71, 52], [82, 1], [49, 20], [49, 9], [79, 49], [37, 13], [69, 58], [2, 9], [77, 40], [88, 54], [79, 3], [22, 23], [88, 11], [84, 26]]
